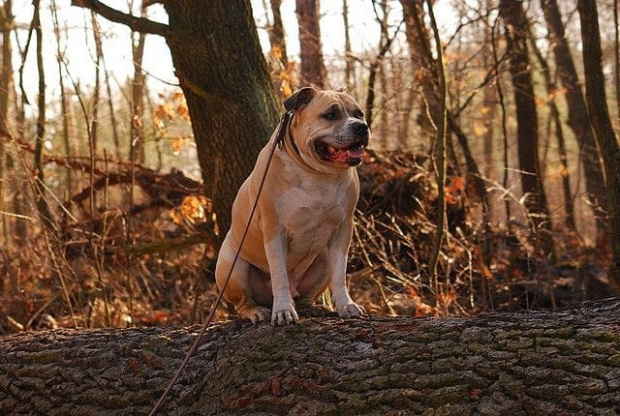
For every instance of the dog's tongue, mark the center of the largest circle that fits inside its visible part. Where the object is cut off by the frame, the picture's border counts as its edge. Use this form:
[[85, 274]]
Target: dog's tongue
[[344, 155], [355, 153]]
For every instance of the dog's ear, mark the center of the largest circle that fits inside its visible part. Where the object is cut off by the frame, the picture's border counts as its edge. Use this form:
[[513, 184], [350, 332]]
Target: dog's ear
[[299, 99]]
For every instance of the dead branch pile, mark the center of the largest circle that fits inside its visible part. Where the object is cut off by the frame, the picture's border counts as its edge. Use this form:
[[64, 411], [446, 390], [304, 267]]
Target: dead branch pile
[[394, 235]]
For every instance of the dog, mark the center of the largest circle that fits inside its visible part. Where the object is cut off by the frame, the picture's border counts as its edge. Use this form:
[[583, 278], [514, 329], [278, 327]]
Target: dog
[[297, 243]]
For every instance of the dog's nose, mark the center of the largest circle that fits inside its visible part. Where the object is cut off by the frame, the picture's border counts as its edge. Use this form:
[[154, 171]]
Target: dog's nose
[[360, 128]]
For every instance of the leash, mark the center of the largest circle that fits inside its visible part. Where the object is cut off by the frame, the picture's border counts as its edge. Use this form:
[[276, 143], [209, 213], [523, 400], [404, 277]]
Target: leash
[[284, 124]]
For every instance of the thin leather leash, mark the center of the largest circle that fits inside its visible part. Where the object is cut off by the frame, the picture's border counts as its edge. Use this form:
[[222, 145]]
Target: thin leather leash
[[279, 142]]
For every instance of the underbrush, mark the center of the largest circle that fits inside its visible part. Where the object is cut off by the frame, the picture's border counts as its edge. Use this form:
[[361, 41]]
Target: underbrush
[[149, 261]]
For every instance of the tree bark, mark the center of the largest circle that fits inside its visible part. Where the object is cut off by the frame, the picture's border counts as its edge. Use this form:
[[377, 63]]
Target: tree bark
[[578, 119], [527, 124], [601, 123], [220, 66], [511, 364], [313, 70]]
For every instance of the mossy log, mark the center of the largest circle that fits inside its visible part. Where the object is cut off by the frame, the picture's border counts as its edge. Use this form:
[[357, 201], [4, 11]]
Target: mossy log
[[531, 363]]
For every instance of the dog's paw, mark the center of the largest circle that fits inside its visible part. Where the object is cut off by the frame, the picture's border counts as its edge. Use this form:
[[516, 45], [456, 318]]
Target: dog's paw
[[284, 317], [351, 310], [256, 314]]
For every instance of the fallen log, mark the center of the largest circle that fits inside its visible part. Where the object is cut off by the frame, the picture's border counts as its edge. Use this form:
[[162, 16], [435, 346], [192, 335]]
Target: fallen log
[[530, 363]]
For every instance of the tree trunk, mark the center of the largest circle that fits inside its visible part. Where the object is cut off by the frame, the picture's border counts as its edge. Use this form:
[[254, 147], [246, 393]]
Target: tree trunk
[[137, 145], [578, 119], [222, 71], [527, 124], [42, 206], [349, 69], [376, 67], [6, 25], [276, 34], [552, 92], [64, 106], [422, 64], [512, 364], [312, 66], [601, 123]]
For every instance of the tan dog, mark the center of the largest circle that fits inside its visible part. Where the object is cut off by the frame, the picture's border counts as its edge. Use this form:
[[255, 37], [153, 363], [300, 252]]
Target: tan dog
[[298, 240]]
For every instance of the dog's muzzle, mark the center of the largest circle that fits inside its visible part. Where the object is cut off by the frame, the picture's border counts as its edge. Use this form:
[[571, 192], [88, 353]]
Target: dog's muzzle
[[351, 153]]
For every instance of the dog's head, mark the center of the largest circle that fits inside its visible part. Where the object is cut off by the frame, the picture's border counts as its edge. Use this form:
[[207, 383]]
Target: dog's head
[[327, 129]]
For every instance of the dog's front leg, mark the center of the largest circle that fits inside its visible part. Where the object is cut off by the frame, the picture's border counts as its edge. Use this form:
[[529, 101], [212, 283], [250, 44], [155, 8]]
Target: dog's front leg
[[338, 248], [283, 311]]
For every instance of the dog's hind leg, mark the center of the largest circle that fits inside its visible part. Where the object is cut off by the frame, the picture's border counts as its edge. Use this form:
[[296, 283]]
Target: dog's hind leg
[[239, 291]]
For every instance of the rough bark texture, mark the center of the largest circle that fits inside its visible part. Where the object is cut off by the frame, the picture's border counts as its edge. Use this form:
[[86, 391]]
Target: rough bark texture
[[221, 68], [311, 51], [601, 123], [527, 122], [535, 363], [578, 119]]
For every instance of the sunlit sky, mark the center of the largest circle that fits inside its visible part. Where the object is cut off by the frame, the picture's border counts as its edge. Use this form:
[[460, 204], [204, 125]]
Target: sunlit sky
[[77, 40]]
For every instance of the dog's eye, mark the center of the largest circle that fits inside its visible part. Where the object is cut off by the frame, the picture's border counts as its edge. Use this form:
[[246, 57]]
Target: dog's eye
[[358, 114], [332, 115]]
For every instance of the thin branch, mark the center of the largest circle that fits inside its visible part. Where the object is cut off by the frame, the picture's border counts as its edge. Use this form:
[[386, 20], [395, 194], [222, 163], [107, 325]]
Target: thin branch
[[440, 158], [137, 24]]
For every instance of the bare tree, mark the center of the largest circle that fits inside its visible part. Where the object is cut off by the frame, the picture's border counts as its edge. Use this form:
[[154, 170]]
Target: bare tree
[[552, 93], [42, 206], [349, 69], [64, 105], [313, 70], [601, 123], [578, 119], [6, 24], [276, 32], [385, 42], [527, 123], [137, 143], [422, 64]]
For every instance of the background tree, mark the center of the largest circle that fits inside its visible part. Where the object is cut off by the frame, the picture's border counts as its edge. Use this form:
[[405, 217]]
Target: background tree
[[137, 138], [276, 33], [311, 51], [601, 122], [552, 93], [578, 119], [527, 122], [6, 24]]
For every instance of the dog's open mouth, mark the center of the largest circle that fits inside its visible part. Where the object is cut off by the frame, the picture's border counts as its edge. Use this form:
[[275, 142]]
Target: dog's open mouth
[[350, 155]]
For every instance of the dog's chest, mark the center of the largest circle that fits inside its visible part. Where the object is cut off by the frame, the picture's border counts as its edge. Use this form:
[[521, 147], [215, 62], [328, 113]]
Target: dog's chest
[[312, 218]]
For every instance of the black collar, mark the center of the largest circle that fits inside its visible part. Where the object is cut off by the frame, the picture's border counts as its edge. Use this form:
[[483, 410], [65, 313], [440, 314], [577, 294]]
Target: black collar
[[285, 130]]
